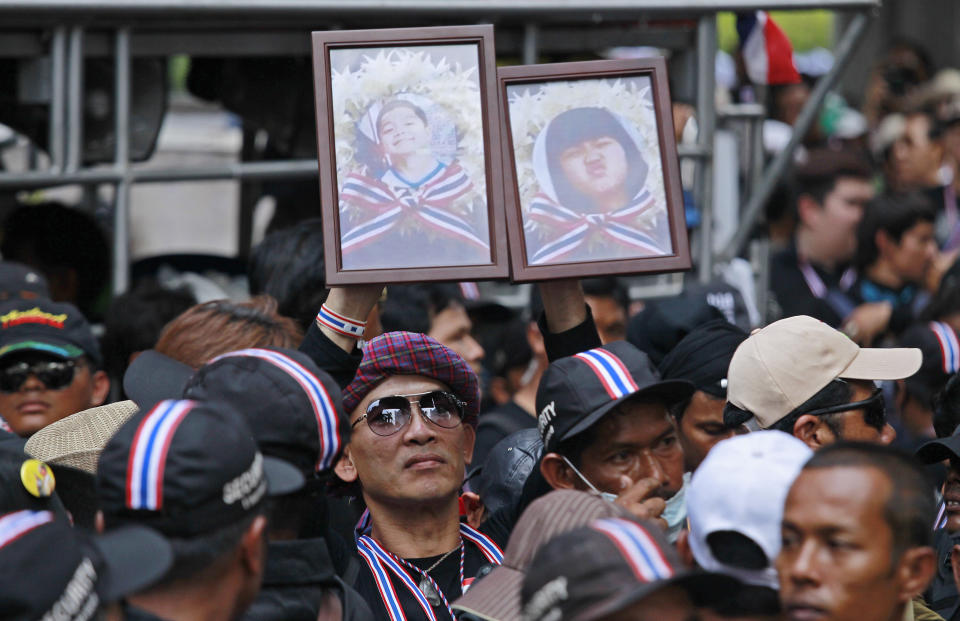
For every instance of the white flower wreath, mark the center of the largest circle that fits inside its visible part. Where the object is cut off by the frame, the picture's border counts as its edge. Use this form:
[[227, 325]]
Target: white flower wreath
[[402, 73], [532, 109]]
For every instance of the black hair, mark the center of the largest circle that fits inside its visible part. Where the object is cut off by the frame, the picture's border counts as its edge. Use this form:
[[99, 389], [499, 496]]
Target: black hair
[[58, 240], [412, 307], [134, 321], [946, 408], [836, 392], [193, 556], [911, 507], [607, 287], [574, 126], [894, 215], [288, 265], [393, 104]]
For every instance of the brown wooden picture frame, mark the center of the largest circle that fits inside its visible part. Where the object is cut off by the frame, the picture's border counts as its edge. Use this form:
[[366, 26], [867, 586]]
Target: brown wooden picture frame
[[325, 42], [655, 68]]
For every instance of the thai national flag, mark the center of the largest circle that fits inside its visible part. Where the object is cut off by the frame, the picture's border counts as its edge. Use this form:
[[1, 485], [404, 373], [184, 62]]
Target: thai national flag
[[767, 52]]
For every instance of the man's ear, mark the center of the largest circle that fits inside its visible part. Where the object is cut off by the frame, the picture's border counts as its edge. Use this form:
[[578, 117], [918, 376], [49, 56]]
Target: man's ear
[[557, 473], [884, 243], [808, 209], [469, 441], [812, 432], [253, 546], [915, 571], [98, 523], [345, 468], [100, 382], [473, 508]]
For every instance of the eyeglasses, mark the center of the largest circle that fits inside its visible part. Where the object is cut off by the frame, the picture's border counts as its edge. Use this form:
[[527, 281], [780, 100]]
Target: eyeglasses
[[874, 410], [389, 415], [53, 374]]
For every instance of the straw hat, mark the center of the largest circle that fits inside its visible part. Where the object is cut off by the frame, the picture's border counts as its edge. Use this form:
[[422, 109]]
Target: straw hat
[[77, 440]]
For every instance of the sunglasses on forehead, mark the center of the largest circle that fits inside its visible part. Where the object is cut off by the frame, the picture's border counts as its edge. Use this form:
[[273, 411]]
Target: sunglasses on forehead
[[53, 374], [874, 409], [388, 415]]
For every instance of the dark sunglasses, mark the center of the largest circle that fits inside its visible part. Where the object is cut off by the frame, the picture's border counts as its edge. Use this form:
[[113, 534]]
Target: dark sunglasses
[[874, 410], [53, 374], [389, 415]]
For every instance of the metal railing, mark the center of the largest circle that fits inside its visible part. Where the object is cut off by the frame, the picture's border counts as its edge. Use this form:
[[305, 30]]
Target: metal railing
[[156, 27]]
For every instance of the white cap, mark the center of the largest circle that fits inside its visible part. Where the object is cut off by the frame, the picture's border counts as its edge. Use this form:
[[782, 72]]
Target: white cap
[[741, 486], [780, 367]]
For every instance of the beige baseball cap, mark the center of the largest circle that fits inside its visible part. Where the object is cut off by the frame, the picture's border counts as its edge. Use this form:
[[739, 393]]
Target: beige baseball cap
[[781, 366]]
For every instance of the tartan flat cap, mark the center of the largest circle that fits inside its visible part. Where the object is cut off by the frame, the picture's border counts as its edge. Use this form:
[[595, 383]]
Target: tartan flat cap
[[412, 353]]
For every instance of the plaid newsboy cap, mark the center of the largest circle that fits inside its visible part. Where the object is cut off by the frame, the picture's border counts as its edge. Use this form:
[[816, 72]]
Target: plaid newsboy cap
[[412, 353]]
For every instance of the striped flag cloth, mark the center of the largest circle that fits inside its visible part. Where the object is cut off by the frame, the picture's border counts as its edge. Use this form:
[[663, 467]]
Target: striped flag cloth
[[767, 53]]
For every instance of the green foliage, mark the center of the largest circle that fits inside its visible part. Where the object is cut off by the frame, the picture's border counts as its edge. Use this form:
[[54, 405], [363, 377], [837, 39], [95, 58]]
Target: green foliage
[[805, 29]]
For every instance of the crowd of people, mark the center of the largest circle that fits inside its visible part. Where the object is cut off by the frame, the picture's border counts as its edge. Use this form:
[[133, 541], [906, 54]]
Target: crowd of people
[[393, 452]]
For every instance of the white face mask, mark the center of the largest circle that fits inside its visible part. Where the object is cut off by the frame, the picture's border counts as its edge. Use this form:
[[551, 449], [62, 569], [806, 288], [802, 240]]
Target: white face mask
[[604, 495]]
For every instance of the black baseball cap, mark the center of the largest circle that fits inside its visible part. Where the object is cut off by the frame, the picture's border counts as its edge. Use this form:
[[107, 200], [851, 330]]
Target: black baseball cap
[[153, 377], [293, 408], [940, 346], [503, 474], [54, 328], [938, 450], [663, 323], [186, 468], [601, 569], [577, 391], [26, 483], [22, 281], [703, 356], [49, 570]]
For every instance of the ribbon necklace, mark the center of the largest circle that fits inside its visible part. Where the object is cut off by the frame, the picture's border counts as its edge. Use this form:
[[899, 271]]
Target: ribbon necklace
[[816, 285], [430, 202], [578, 226], [382, 563]]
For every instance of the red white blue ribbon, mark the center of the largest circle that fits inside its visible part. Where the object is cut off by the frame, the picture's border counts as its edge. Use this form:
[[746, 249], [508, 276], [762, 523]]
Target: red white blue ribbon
[[577, 227], [148, 454], [610, 370], [320, 400], [637, 547], [340, 324], [949, 346], [16, 525], [383, 563], [430, 204]]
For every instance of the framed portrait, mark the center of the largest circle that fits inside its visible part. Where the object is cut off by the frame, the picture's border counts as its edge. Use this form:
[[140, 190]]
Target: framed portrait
[[410, 160], [591, 171]]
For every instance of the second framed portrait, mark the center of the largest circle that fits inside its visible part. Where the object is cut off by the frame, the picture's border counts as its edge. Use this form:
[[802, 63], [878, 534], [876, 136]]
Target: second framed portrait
[[592, 177], [409, 154]]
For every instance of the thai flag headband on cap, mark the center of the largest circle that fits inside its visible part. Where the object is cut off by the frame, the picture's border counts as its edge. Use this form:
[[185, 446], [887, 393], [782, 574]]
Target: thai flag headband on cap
[[148, 454], [637, 547], [949, 346], [611, 372], [16, 525], [323, 408]]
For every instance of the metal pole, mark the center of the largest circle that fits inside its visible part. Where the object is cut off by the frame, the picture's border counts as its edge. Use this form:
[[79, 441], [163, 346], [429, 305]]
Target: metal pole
[[706, 124], [844, 51], [75, 100], [58, 61], [121, 162], [530, 33]]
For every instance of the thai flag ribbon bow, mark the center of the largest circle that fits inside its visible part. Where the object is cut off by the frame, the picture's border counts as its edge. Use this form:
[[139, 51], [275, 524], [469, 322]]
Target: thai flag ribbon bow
[[430, 203], [577, 227], [767, 53]]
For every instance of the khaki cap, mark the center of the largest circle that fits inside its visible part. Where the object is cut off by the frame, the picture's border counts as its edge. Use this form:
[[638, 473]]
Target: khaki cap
[[77, 440], [781, 366]]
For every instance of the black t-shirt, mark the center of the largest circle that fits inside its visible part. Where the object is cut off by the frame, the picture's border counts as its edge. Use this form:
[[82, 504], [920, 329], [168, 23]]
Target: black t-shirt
[[446, 574], [794, 296]]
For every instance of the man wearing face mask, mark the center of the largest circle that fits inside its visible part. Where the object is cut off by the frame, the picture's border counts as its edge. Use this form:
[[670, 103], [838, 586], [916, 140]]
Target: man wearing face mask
[[605, 423]]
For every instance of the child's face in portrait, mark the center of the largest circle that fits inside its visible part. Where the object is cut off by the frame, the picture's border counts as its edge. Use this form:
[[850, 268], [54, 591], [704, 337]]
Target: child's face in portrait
[[403, 132], [596, 167]]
